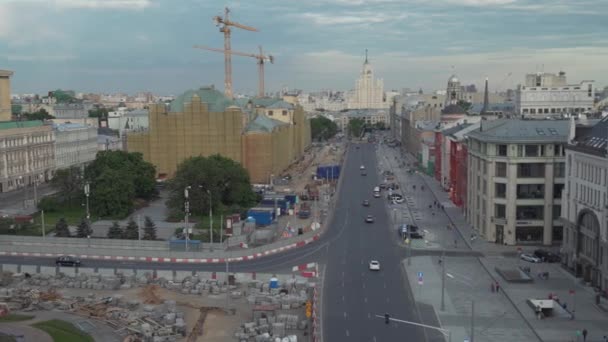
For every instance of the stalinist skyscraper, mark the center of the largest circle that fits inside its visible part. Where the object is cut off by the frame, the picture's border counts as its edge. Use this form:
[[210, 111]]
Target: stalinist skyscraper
[[369, 92]]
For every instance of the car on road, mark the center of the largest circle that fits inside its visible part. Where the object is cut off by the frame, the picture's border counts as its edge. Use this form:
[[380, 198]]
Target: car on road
[[362, 167], [396, 198], [374, 265], [530, 258], [67, 260], [383, 186], [546, 256], [369, 219], [363, 173], [366, 203]]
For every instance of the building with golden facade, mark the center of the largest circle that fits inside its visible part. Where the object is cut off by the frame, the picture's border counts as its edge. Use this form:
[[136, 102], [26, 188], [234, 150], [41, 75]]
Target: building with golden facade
[[264, 135]]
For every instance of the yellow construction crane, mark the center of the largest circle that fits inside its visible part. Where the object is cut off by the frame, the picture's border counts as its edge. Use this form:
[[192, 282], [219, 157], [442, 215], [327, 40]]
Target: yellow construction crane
[[224, 24], [261, 57]]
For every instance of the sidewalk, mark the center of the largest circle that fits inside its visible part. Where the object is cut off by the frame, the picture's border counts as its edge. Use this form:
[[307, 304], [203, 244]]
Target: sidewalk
[[588, 315]]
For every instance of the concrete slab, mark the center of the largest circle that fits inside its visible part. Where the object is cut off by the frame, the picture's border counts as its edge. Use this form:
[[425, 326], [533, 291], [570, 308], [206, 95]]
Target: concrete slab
[[48, 270], [126, 271], [165, 274], [31, 269], [86, 270], [10, 268], [105, 272], [68, 271], [181, 275]]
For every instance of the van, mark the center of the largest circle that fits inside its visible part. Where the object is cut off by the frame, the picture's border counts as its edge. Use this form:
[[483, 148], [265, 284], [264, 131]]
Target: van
[[377, 192]]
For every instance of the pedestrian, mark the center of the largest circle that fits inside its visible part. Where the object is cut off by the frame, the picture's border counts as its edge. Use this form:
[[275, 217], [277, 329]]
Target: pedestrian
[[605, 338], [492, 287], [584, 335], [497, 287]]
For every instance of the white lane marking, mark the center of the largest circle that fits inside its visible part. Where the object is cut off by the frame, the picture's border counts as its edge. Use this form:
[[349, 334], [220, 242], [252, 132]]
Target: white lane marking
[[365, 299], [342, 283], [342, 298], [374, 338], [387, 300], [363, 285], [384, 285], [369, 315], [347, 333], [342, 274], [345, 314]]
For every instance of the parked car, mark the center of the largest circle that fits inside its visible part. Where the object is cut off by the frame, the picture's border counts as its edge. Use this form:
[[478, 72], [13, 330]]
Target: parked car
[[366, 203], [67, 260], [362, 167], [529, 258], [410, 230], [546, 256], [369, 219], [374, 265]]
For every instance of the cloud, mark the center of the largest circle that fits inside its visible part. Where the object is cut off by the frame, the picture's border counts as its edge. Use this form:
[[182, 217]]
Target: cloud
[[104, 4], [351, 18], [39, 58]]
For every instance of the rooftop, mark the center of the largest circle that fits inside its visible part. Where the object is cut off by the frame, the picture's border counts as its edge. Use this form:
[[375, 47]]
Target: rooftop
[[263, 124], [20, 124], [69, 126], [516, 130], [215, 100], [450, 131], [6, 73], [597, 140]]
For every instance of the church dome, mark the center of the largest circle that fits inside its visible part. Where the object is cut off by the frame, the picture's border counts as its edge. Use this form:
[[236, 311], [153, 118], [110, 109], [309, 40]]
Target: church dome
[[453, 79]]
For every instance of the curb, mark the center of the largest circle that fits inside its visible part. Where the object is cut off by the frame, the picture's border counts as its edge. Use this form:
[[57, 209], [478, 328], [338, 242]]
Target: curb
[[171, 260]]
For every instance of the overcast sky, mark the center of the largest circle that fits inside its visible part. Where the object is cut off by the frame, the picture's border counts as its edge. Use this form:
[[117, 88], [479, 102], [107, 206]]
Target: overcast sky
[[146, 45]]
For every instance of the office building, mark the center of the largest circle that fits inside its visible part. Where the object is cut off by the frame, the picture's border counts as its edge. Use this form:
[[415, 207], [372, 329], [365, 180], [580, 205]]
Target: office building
[[75, 145]]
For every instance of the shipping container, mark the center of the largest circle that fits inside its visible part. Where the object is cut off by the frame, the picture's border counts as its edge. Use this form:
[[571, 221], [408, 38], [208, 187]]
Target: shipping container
[[262, 216], [329, 172]]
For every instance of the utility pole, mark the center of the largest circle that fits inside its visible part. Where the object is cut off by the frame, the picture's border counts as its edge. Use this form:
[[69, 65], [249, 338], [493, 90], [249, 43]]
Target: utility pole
[[186, 214], [446, 332], [210, 218], [221, 228], [87, 192], [43, 227], [36, 192], [139, 227], [409, 248]]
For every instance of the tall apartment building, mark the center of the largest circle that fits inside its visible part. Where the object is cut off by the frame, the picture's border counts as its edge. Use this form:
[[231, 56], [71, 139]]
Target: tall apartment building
[[369, 91], [27, 154], [585, 205], [516, 171], [546, 94]]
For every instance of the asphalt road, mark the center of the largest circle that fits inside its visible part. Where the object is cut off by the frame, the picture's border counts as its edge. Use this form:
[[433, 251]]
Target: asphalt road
[[354, 295]]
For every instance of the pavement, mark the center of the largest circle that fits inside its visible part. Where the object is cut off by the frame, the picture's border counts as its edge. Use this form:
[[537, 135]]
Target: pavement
[[21, 201], [471, 268]]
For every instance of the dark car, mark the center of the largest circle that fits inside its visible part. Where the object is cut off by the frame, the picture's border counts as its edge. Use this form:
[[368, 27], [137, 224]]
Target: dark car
[[363, 173], [366, 203], [67, 260], [411, 231], [546, 256]]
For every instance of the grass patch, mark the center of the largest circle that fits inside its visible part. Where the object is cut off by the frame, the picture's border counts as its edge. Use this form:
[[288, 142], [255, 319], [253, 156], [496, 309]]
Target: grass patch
[[62, 331], [15, 318]]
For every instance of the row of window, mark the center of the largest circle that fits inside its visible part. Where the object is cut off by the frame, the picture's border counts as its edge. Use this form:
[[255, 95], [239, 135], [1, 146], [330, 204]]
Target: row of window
[[527, 212], [589, 195], [554, 110], [24, 140], [271, 113], [591, 173]]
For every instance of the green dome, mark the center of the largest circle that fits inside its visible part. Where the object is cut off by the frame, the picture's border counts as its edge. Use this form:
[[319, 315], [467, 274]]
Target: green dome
[[215, 100]]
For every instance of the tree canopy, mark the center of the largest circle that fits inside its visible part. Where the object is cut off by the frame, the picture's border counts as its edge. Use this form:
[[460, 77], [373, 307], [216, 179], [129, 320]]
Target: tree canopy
[[115, 231], [149, 229], [322, 128], [100, 112], [62, 229], [226, 180], [355, 127], [41, 114], [69, 184]]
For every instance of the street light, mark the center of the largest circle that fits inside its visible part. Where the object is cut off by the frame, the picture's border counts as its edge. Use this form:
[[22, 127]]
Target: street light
[[186, 214], [446, 332]]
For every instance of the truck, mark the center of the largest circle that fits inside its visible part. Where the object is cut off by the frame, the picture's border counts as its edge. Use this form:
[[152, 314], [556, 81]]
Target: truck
[[304, 211]]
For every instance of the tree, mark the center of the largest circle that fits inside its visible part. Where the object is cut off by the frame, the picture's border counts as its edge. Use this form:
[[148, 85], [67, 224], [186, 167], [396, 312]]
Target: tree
[[465, 105], [322, 128], [149, 229], [100, 113], [41, 114], [355, 127], [84, 230], [115, 231], [69, 184], [226, 179], [131, 231], [62, 229], [112, 194]]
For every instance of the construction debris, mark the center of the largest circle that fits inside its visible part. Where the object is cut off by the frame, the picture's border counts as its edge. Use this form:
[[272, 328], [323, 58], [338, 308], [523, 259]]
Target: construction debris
[[149, 295]]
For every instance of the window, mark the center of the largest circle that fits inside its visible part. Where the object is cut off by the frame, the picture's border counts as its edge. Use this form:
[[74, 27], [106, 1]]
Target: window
[[557, 190], [558, 233], [557, 212], [531, 150], [500, 190], [527, 170], [558, 150], [270, 113], [560, 170], [500, 211], [501, 169], [530, 212], [520, 150], [502, 150], [530, 191], [532, 235], [284, 112], [542, 150]]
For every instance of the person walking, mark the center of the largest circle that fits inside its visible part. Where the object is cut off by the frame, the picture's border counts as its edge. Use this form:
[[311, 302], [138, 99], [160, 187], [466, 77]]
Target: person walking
[[497, 287], [584, 335]]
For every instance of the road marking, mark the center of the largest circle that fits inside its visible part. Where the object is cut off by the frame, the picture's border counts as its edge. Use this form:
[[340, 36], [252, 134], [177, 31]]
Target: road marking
[[369, 315], [365, 299], [374, 338], [387, 300], [363, 285], [343, 274], [384, 285], [342, 298], [347, 333], [345, 314], [343, 283]]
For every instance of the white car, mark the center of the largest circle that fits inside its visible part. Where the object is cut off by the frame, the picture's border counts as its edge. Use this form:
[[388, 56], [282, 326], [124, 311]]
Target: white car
[[362, 167], [374, 265], [530, 258]]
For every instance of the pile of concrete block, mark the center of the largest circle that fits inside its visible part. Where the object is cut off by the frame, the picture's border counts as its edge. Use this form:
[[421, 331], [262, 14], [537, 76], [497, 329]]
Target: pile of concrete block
[[266, 329]]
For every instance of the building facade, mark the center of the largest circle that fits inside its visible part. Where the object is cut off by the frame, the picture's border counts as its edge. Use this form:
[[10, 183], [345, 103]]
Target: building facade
[[75, 145], [124, 120], [516, 171], [5, 95], [27, 154], [585, 205], [369, 91], [546, 94]]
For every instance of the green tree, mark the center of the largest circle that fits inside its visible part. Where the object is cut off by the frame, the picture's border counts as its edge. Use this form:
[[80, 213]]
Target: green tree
[[112, 194], [69, 184], [62, 229], [131, 231], [130, 166], [41, 114], [465, 105], [226, 180], [115, 231], [101, 113], [84, 229], [149, 229], [322, 128], [355, 127]]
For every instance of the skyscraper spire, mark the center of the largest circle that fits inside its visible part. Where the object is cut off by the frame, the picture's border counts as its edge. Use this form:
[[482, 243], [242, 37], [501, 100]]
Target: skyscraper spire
[[486, 99], [366, 57]]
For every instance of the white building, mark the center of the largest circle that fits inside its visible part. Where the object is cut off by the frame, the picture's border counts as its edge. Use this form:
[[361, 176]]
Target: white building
[[75, 145], [546, 94], [516, 171], [585, 204], [369, 91], [369, 116], [110, 143], [124, 120]]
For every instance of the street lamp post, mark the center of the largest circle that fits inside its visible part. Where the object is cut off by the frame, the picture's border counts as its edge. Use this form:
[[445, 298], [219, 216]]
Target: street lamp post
[[446, 332], [87, 191], [210, 218], [186, 214]]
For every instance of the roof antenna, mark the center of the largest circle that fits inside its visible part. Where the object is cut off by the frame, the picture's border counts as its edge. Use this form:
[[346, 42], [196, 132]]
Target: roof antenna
[[366, 56]]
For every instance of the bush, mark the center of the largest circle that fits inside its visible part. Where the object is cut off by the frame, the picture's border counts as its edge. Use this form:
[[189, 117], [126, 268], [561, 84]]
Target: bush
[[50, 204]]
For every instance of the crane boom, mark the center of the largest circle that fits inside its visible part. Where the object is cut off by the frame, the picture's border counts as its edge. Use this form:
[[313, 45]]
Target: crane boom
[[224, 51]]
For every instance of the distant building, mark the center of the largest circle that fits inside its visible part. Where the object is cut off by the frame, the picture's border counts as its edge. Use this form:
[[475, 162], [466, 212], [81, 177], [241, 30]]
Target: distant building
[[546, 94], [75, 145], [369, 116], [123, 120], [369, 91], [5, 95], [27, 154], [584, 208], [109, 143], [515, 180]]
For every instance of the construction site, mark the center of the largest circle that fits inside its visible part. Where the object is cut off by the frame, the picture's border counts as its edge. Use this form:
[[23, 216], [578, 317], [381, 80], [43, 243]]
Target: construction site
[[148, 309]]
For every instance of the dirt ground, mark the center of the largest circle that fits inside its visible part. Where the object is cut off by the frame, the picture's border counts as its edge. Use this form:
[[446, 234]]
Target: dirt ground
[[218, 326]]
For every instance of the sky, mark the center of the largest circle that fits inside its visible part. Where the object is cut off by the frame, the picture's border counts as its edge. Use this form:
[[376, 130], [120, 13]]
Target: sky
[[146, 45]]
